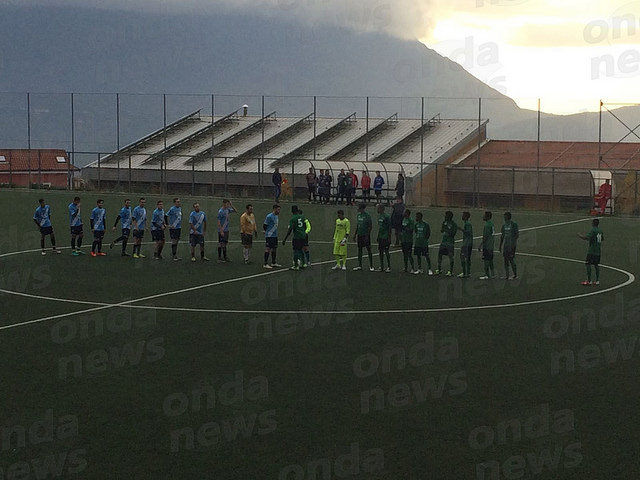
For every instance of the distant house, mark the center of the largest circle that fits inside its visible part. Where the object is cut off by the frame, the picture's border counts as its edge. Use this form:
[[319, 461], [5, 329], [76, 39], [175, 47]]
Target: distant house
[[49, 168]]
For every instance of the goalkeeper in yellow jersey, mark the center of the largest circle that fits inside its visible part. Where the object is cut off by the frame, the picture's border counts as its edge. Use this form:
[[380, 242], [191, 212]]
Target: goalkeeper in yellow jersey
[[340, 237]]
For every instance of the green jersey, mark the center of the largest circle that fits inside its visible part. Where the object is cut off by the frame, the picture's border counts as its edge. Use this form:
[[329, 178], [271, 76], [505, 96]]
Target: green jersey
[[510, 234], [595, 237], [423, 232], [363, 224], [488, 239], [467, 234], [298, 226], [449, 230], [384, 226], [406, 235]]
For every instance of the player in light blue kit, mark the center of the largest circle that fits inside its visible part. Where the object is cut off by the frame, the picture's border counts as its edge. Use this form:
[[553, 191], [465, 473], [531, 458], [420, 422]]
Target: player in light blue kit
[[270, 228], [75, 222], [124, 217], [197, 229], [174, 221], [98, 219], [158, 226], [139, 222], [42, 218], [223, 229]]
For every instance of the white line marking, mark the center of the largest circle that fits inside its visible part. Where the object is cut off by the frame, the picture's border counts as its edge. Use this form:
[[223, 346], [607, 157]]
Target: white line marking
[[129, 303]]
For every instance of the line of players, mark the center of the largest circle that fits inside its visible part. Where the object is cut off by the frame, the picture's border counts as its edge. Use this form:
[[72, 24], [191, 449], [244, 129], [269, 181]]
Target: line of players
[[414, 236]]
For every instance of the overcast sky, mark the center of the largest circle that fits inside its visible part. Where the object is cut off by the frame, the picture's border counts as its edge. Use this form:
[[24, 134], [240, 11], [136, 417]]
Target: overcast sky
[[569, 53]]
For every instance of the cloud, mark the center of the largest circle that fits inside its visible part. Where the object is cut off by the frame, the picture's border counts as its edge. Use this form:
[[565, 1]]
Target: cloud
[[402, 18]]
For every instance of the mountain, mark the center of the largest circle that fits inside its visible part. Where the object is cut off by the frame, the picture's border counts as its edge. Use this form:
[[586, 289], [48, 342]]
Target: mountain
[[63, 49]]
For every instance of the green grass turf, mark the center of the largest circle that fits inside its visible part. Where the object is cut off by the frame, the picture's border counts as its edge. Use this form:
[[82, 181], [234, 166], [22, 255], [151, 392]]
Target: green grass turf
[[411, 395]]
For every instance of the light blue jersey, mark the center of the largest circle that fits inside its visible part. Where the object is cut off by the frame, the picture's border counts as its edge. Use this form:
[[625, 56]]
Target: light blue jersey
[[223, 218], [140, 216], [98, 215], [272, 225], [125, 218], [197, 219], [157, 219], [74, 215], [175, 217], [43, 216]]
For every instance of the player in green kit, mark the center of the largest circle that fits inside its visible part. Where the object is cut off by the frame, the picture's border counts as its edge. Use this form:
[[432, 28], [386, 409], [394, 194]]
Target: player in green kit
[[448, 230], [467, 246], [421, 244], [406, 239], [363, 236], [340, 239], [384, 238], [595, 238], [509, 239], [486, 246], [298, 226]]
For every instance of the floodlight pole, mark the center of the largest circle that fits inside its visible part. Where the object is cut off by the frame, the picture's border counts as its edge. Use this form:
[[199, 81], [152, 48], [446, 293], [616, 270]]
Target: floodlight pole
[[600, 135]]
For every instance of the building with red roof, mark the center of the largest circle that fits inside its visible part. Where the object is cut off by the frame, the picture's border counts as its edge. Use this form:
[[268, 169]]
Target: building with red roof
[[46, 167]]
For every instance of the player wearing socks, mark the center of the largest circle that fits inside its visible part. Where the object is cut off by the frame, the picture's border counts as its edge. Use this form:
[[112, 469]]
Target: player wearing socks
[[75, 222], [124, 217], [247, 231], [467, 245], [486, 246], [139, 222], [42, 218], [406, 240], [305, 248], [421, 248], [595, 238], [223, 229], [340, 239], [197, 229], [158, 226], [448, 230], [270, 227], [297, 226], [174, 221], [98, 220], [384, 238], [509, 239], [363, 236]]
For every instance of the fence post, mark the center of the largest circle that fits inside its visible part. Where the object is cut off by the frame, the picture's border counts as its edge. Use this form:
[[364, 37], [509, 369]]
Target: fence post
[[72, 160], [553, 188], [436, 202], [513, 185], [130, 173], [635, 191], [293, 182], [40, 169], [226, 187], [99, 171], [11, 170], [213, 142]]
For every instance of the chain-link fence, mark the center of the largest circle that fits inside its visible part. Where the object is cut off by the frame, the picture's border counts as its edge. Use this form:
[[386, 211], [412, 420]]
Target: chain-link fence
[[182, 144]]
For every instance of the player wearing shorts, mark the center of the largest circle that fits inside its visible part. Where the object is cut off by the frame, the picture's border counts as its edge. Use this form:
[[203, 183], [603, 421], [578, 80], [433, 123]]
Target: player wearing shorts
[[297, 226], [467, 245], [98, 220], [305, 248], [378, 183], [139, 222], [448, 230], [340, 239], [486, 246], [75, 222], [174, 221], [247, 231], [197, 229], [363, 236], [406, 241], [223, 229], [158, 226], [595, 238], [421, 244], [270, 227], [384, 238], [124, 217], [42, 218], [509, 239]]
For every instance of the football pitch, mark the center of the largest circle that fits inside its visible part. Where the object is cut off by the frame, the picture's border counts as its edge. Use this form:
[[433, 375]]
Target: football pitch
[[125, 368]]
